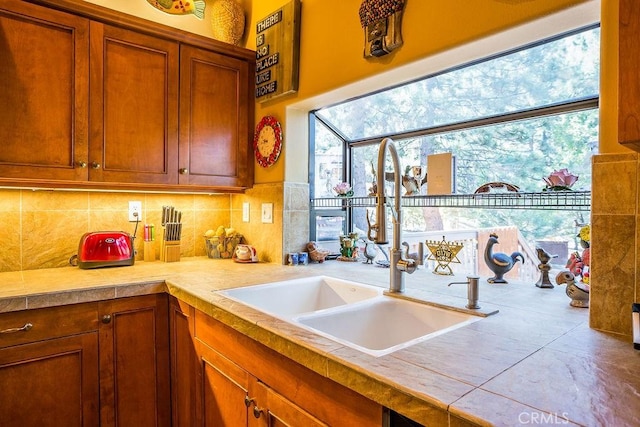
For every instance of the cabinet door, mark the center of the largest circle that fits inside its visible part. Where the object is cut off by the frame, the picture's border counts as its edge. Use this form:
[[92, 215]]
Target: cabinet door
[[223, 396], [273, 410], [44, 81], [184, 362], [216, 111], [134, 362], [134, 107], [628, 81], [50, 383]]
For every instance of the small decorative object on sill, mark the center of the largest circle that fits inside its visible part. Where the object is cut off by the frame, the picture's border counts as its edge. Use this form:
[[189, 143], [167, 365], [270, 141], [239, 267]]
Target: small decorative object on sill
[[382, 24], [369, 251], [578, 292], [443, 253], [412, 180], [179, 7], [373, 190], [343, 190], [497, 187], [578, 264], [544, 267], [293, 259], [348, 248], [315, 253], [499, 263], [222, 242], [227, 21], [561, 180]]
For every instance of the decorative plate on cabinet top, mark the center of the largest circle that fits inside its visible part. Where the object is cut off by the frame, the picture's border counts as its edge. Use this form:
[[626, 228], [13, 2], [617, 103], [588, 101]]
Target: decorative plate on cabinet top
[[267, 142]]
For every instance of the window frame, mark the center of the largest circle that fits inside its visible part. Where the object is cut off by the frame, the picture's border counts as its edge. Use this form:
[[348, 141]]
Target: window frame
[[568, 106]]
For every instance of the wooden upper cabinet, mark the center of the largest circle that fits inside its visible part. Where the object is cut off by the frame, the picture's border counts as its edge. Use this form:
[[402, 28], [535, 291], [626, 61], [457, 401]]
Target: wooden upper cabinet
[[91, 99], [134, 107], [215, 112], [44, 62], [629, 78]]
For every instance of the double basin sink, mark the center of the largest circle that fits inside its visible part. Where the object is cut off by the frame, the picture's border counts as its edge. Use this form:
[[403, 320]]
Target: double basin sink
[[353, 314]]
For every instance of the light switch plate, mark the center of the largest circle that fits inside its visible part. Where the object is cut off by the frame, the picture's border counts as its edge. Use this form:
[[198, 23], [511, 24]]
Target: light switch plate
[[267, 213], [245, 212]]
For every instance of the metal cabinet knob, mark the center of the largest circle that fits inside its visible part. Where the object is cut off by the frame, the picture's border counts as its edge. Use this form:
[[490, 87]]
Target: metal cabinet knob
[[106, 318], [82, 164], [183, 171], [95, 165]]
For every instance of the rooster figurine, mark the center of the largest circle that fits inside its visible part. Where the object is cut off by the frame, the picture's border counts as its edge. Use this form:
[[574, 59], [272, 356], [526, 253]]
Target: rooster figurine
[[499, 263]]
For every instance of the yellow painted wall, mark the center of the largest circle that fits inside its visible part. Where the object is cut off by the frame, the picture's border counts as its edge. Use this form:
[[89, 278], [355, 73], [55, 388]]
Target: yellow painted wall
[[142, 9], [331, 45]]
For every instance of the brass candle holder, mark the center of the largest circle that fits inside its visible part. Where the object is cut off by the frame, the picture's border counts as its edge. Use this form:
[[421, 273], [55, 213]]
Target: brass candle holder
[[444, 253]]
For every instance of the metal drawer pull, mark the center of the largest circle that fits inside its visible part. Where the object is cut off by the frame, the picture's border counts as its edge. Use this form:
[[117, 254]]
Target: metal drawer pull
[[24, 328]]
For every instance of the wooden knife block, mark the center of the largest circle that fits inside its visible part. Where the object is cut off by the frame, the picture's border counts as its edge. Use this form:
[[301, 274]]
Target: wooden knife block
[[149, 251], [170, 250]]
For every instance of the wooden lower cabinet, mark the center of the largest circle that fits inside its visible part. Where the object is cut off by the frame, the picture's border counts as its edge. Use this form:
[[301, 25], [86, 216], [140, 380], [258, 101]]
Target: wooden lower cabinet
[[244, 383], [49, 367], [50, 383], [184, 363], [103, 363], [230, 396], [143, 361], [134, 362]]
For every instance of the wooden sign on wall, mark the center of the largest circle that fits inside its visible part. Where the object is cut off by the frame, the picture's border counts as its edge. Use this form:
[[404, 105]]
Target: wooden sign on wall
[[278, 52]]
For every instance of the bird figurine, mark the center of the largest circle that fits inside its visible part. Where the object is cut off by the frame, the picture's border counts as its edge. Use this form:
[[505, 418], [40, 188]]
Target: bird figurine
[[499, 263], [578, 292], [370, 251], [410, 255], [544, 268]]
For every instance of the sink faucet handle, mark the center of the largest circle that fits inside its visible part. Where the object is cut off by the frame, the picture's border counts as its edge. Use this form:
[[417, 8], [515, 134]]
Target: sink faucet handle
[[407, 265]]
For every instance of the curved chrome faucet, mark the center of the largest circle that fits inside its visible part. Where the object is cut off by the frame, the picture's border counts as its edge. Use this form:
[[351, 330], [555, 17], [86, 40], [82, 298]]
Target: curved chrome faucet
[[378, 232]]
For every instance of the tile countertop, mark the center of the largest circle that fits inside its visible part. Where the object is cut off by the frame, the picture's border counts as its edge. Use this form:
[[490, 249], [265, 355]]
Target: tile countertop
[[535, 362]]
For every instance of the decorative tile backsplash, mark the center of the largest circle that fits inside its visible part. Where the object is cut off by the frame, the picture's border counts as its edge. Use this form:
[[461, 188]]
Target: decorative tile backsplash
[[42, 228]]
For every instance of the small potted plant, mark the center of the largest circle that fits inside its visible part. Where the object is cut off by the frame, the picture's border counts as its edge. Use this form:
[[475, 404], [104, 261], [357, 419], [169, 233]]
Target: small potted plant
[[343, 189]]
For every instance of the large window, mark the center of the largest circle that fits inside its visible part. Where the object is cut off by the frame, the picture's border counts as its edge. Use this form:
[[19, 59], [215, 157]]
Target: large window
[[513, 118]]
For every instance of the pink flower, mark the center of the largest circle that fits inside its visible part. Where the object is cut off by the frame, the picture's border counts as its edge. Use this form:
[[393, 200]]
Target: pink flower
[[561, 178], [342, 188]]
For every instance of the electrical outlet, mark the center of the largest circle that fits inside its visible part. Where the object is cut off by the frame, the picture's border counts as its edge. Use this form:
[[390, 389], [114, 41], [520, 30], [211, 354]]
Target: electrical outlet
[[245, 212], [135, 211], [267, 213]]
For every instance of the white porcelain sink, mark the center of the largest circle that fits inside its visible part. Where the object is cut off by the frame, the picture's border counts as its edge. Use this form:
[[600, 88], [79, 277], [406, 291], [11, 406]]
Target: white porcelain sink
[[385, 324], [310, 294], [354, 314]]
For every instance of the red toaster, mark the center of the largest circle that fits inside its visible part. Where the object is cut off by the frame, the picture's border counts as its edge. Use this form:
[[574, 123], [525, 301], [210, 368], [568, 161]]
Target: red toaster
[[105, 249]]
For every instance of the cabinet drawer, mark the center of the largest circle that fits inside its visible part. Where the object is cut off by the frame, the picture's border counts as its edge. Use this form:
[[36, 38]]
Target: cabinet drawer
[[26, 326]]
